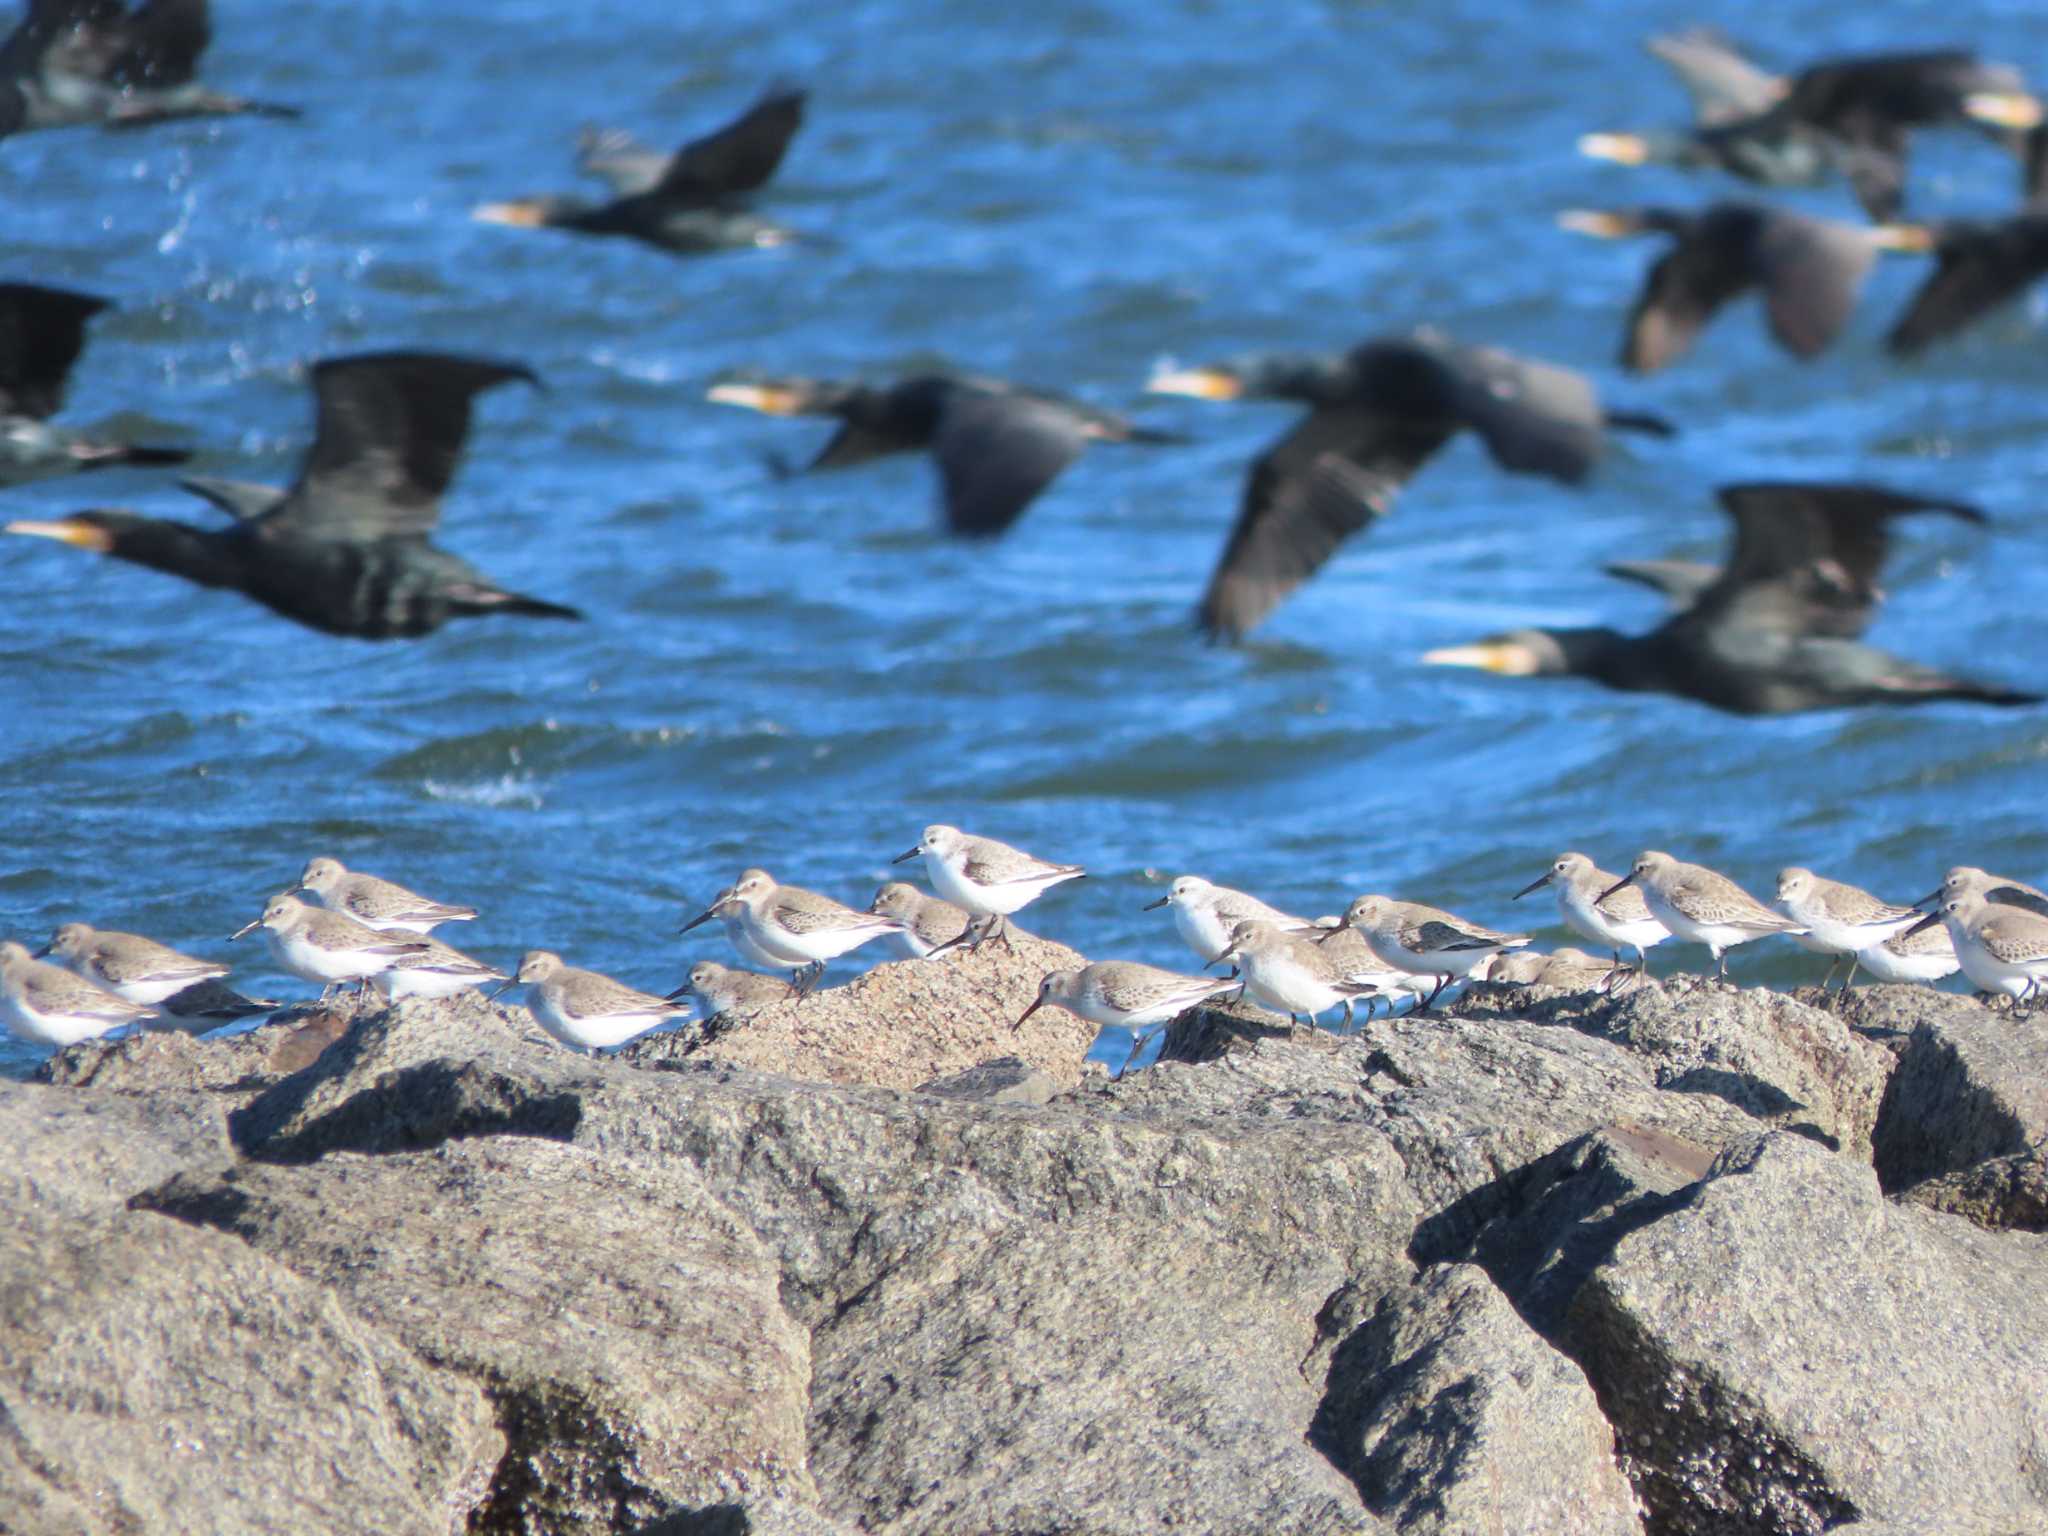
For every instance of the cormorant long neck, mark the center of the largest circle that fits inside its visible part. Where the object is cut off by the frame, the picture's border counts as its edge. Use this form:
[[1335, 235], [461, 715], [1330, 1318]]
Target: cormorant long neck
[[210, 557]]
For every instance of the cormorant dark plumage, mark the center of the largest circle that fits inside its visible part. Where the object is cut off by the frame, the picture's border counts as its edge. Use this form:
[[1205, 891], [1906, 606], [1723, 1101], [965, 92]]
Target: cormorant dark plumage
[[1854, 115], [42, 332], [690, 202], [1979, 264], [1731, 131], [1810, 272], [997, 446], [345, 549], [1777, 630], [95, 61], [1376, 415]]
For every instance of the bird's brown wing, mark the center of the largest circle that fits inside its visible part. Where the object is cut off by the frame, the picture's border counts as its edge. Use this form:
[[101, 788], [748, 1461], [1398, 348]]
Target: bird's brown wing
[[42, 331], [997, 451], [388, 433], [1807, 558], [1812, 272], [739, 157], [1336, 473], [1977, 268], [1534, 417]]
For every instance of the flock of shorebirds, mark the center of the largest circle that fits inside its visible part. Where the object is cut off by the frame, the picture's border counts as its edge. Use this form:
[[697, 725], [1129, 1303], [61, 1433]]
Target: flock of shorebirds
[[346, 549], [337, 926]]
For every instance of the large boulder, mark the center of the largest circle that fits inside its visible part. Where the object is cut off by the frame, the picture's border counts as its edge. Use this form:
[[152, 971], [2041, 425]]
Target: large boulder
[[158, 1378], [1453, 1416], [149, 1061], [903, 1023], [624, 1324], [90, 1151], [1787, 1351], [1971, 1084]]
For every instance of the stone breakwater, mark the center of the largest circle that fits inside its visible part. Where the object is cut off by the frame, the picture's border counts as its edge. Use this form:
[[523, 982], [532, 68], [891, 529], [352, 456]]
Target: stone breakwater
[[1691, 1260]]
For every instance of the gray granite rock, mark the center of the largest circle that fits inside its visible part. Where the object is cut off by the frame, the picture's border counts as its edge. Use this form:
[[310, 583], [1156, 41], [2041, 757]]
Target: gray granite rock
[[90, 1151], [1787, 1351], [1971, 1084], [624, 1324], [2003, 1194], [1453, 1416], [158, 1378]]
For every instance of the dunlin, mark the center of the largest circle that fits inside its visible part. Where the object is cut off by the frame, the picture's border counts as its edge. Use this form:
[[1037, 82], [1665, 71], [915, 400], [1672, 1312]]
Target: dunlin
[[1427, 941], [1122, 993], [126, 964], [1925, 954], [988, 878], [437, 971], [583, 1008], [928, 923], [1572, 970], [2001, 948], [1621, 921], [1291, 974], [795, 928], [1700, 906], [1204, 915], [317, 945], [373, 902], [2000, 890], [1841, 921], [48, 1005], [723, 992]]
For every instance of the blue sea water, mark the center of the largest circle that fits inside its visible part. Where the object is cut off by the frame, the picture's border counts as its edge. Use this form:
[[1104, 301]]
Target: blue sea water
[[802, 674]]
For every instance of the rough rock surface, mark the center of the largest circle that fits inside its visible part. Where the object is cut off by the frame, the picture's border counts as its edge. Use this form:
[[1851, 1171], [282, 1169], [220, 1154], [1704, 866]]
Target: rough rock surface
[[1530, 1267], [1971, 1084], [903, 1023], [459, 1252], [1787, 1351], [150, 1061], [1452, 1416], [157, 1378]]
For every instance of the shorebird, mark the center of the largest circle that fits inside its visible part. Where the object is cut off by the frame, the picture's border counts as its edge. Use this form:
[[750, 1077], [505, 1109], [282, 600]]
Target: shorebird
[[1918, 954], [1291, 974], [1700, 906], [1427, 941], [1621, 921], [723, 992], [928, 923], [2001, 948], [1125, 995], [2000, 890], [583, 1008], [373, 902], [48, 1005], [792, 928], [1841, 921], [140, 970], [1204, 915], [438, 971], [988, 878], [1572, 970], [317, 945]]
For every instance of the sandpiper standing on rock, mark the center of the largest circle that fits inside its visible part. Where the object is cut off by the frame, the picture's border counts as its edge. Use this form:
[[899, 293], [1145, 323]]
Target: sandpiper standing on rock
[[1205, 915], [1126, 995], [2002, 948], [721, 991], [1999, 890], [437, 971], [1700, 906], [1427, 941], [375, 903], [795, 928], [1841, 921], [126, 964], [583, 1008], [988, 878], [48, 1005], [1291, 974], [1621, 921], [1570, 969], [318, 945], [1918, 954], [928, 923]]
